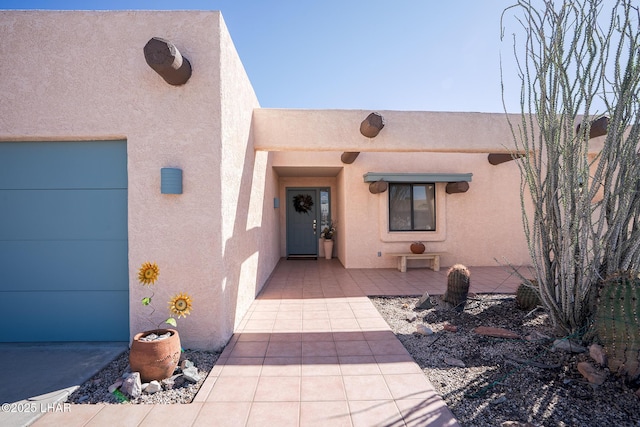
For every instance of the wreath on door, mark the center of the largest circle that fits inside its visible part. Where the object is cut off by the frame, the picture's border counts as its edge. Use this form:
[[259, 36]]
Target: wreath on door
[[302, 203]]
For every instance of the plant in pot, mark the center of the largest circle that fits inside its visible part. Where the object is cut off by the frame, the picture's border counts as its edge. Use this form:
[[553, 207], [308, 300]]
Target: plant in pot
[[327, 234], [417, 247], [155, 353]]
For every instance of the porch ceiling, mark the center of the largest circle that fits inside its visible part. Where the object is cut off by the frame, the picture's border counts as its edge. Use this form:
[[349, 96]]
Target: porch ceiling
[[299, 171]]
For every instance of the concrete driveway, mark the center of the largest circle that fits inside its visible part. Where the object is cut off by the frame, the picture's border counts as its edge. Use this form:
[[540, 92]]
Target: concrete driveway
[[38, 377]]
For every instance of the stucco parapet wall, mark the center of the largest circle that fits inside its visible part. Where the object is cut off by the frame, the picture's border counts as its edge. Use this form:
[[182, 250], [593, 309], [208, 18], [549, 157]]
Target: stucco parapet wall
[[404, 131]]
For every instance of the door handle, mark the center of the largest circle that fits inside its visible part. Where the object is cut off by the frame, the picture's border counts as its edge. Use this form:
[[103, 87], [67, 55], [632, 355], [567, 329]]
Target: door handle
[[315, 226]]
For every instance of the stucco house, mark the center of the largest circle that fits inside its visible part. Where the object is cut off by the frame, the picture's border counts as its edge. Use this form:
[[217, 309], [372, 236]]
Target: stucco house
[[104, 165]]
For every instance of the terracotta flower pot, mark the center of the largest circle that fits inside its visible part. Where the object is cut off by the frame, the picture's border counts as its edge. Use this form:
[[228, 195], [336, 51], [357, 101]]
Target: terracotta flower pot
[[155, 360], [417, 247]]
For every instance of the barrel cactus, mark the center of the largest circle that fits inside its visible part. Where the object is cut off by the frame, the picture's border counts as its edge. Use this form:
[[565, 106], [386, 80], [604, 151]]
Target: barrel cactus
[[527, 297], [458, 280], [617, 324]]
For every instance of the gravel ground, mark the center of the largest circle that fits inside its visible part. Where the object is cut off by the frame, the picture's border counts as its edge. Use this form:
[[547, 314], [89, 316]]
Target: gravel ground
[[506, 382], [96, 390]]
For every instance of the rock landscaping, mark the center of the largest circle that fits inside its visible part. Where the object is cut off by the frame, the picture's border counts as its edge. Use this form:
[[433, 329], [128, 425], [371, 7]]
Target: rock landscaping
[[117, 384], [497, 365]]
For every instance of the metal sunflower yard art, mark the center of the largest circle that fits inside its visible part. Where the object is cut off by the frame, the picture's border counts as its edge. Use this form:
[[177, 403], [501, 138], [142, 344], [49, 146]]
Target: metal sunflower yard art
[[148, 273], [180, 305]]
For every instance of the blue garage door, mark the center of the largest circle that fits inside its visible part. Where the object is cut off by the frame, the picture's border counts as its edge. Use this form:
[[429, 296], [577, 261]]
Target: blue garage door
[[63, 241]]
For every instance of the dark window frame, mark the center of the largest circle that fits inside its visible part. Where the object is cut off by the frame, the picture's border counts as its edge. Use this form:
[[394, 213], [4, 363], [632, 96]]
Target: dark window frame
[[412, 228]]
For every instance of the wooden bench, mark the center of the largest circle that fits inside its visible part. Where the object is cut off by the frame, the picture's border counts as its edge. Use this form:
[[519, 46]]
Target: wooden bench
[[403, 257]]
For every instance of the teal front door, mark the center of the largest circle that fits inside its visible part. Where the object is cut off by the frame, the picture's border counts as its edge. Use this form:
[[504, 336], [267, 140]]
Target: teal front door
[[303, 207]]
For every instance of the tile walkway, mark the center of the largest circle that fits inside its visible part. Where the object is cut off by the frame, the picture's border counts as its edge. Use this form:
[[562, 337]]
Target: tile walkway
[[311, 351]]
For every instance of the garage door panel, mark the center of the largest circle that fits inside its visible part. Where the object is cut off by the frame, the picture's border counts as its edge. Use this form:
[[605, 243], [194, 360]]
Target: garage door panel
[[81, 164], [63, 214], [63, 265], [63, 241], [66, 316]]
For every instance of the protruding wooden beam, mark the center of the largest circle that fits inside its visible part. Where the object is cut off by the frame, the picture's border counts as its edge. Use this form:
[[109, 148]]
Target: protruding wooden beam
[[598, 127], [457, 187], [372, 125], [497, 158], [165, 59], [349, 157], [378, 187]]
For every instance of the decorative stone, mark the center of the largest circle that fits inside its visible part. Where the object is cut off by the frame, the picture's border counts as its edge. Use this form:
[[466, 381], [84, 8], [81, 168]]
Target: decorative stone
[[596, 352], [153, 387], [454, 362], [423, 330], [591, 373], [113, 387], [450, 328], [411, 317], [424, 302], [499, 400], [496, 332], [191, 374], [132, 385], [568, 346], [175, 381], [186, 363]]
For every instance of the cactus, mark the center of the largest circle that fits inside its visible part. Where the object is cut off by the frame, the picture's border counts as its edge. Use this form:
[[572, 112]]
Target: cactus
[[458, 280], [527, 297], [617, 324]]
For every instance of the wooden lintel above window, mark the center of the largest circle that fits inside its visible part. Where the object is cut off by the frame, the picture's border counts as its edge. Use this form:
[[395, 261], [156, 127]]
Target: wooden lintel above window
[[417, 177], [457, 187], [498, 158], [349, 157], [378, 187], [598, 127]]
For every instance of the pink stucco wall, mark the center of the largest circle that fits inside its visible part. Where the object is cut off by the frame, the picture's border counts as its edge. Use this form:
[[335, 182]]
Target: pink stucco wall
[[83, 76], [480, 227]]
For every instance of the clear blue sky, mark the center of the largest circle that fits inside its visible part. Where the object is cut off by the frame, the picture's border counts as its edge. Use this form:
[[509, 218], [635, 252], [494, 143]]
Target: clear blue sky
[[429, 55]]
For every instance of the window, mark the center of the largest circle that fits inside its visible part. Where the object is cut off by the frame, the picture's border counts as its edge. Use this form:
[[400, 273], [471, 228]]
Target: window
[[412, 207], [325, 208]]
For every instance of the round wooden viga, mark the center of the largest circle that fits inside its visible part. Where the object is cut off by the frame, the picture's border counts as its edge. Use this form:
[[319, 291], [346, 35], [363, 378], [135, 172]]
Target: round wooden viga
[[417, 247], [155, 360]]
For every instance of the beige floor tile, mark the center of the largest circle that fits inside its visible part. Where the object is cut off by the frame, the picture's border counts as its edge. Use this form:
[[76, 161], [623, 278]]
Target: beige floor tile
[[322, 388], [372, 413], [78, 415], [282, 367], [426, 412], [278, 389], [233, 389], [120, 416], [320, 365], [272, 414], [318, 348], [222, 414], [184, 415], [366, 387], [410, 386], [359, 365], [325, 414]]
